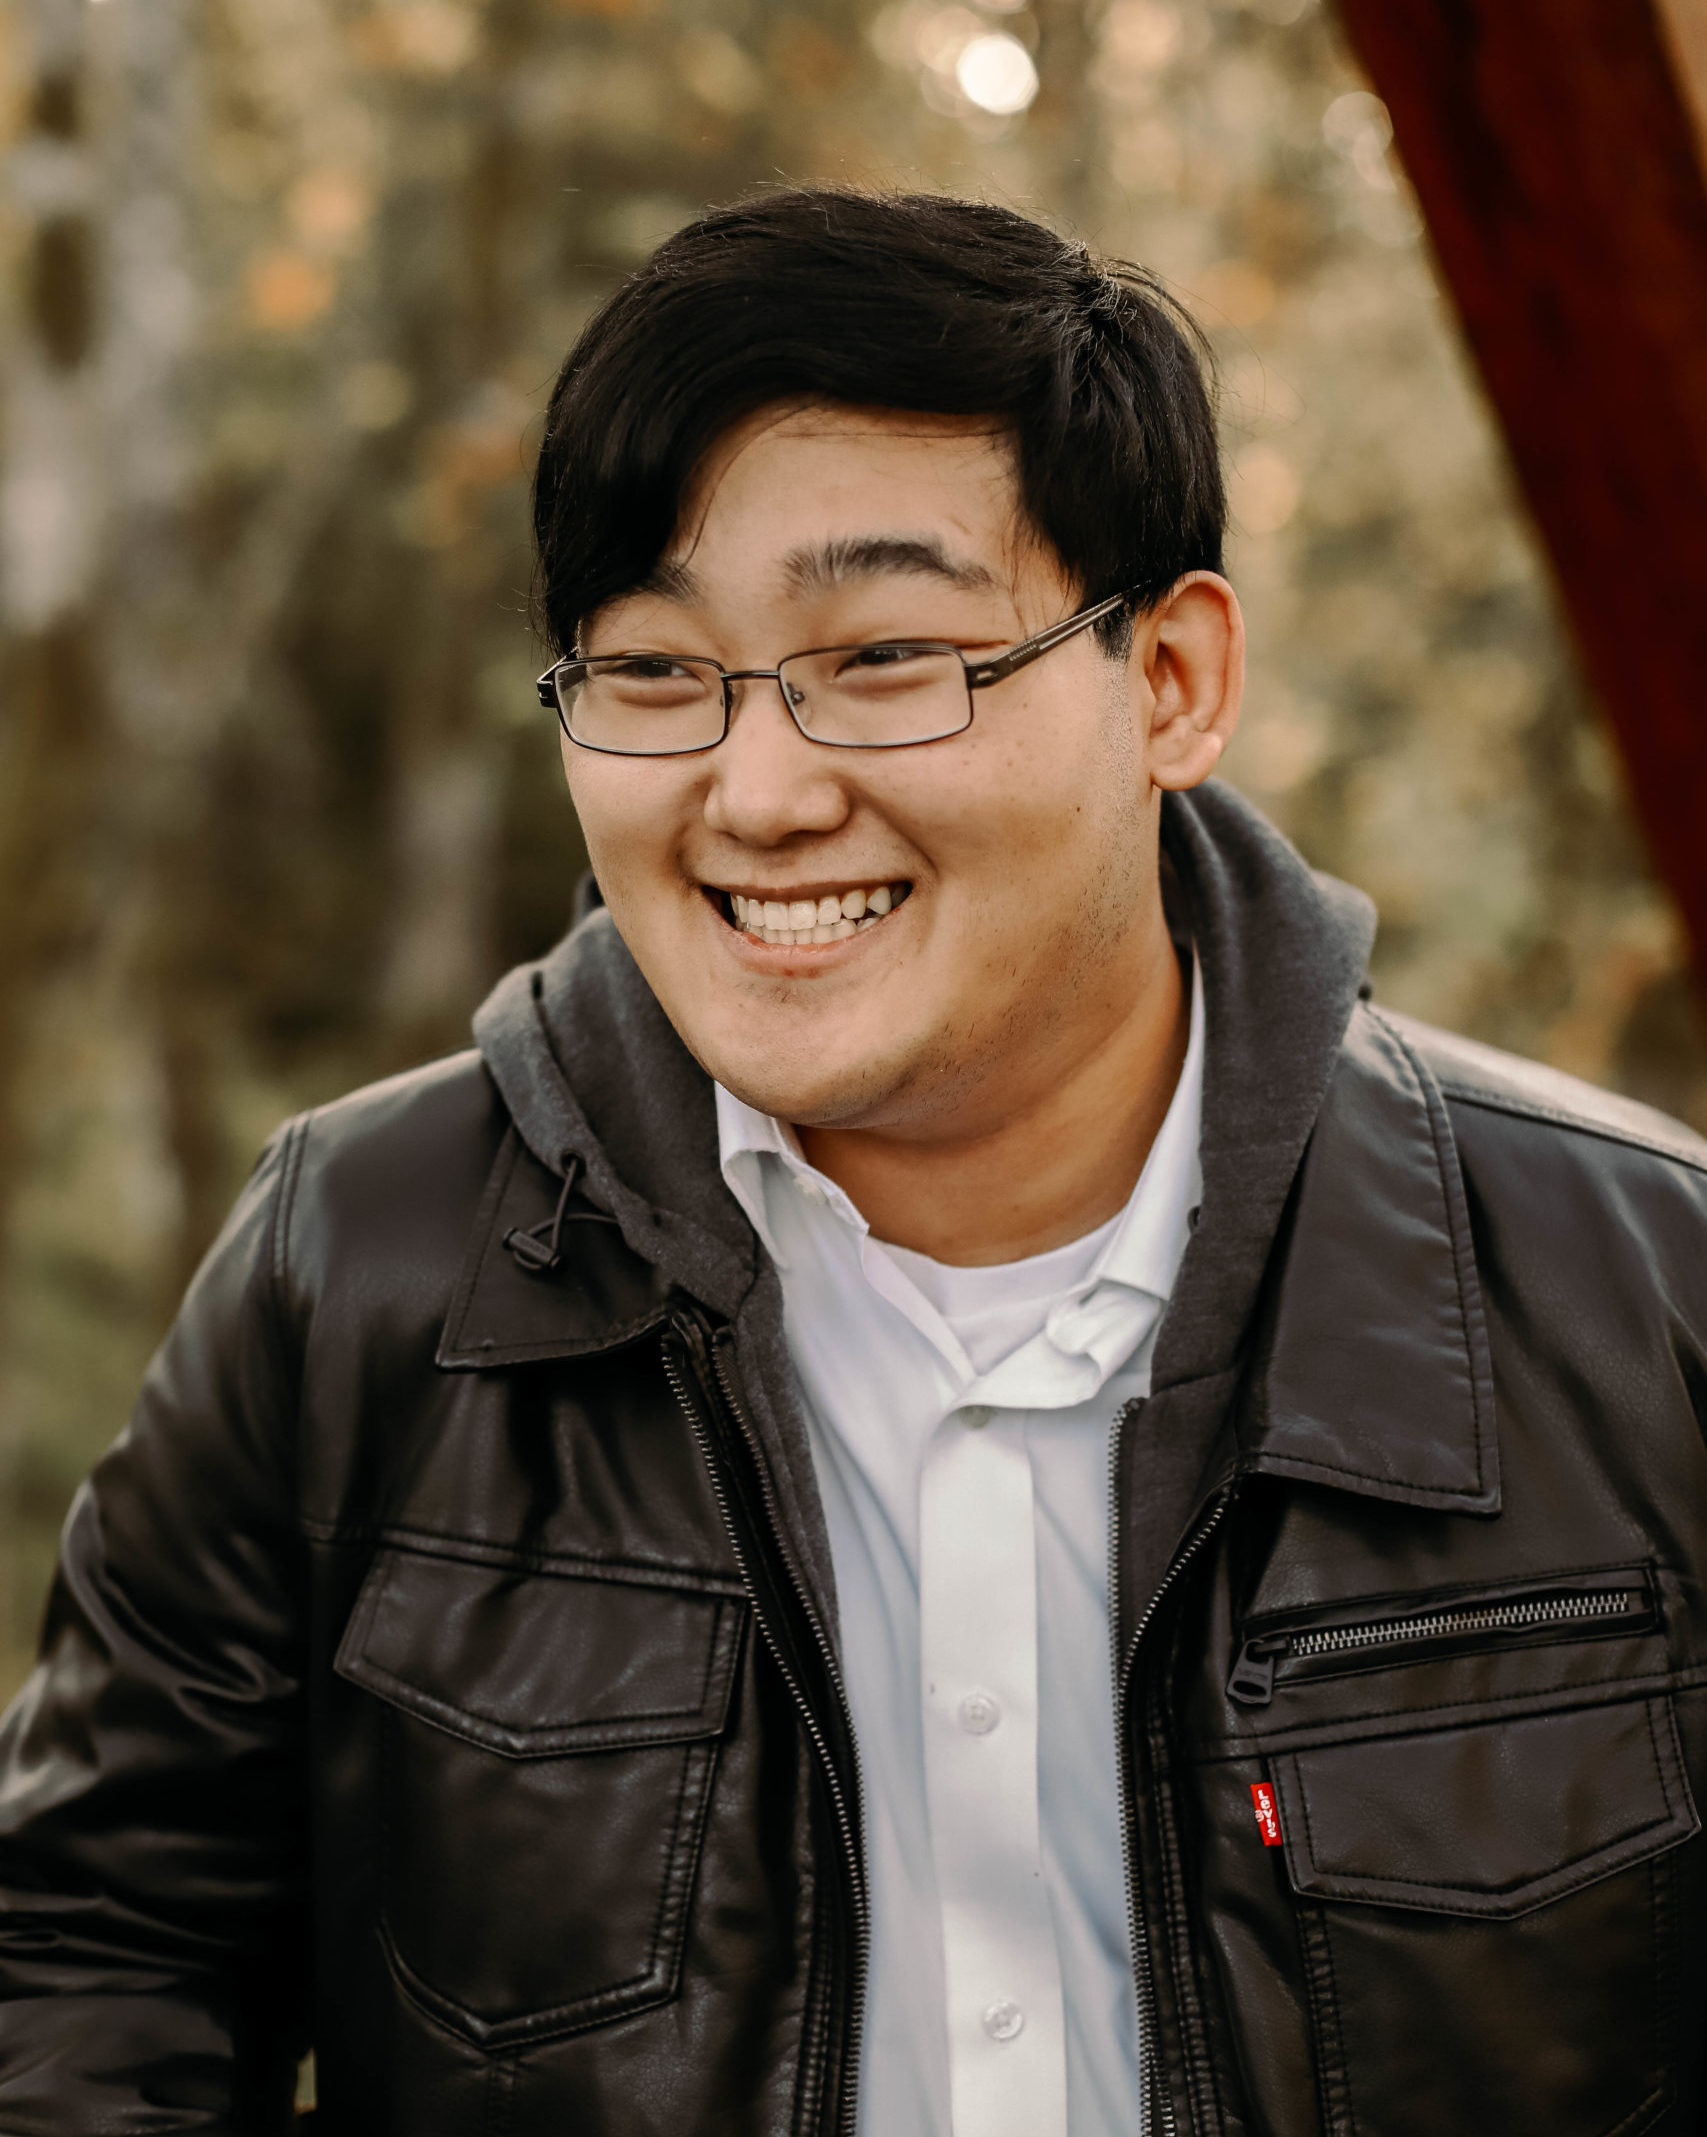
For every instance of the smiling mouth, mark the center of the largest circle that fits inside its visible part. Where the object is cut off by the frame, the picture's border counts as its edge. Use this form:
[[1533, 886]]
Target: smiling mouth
[[797, 923]]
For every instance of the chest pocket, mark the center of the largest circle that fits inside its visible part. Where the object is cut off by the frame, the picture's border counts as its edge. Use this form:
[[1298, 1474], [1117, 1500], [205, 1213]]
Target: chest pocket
[[1479, 1839], [549, 1745], [1482, 1888], [1485, 1915], [1489, 1821]]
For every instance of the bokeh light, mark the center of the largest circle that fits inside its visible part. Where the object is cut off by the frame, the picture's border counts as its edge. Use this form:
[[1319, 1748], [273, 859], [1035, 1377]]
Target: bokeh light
[[996, 73]]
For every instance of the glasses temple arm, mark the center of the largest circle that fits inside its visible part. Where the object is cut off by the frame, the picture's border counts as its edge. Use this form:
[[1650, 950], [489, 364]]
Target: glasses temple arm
[[980, 674]]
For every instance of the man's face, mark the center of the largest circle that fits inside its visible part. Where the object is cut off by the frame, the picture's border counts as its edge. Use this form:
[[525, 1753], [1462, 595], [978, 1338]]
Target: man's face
[[1018, 857]]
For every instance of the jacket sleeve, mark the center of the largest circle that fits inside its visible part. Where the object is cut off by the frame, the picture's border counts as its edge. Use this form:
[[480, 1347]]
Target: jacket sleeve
[[153, 1964]]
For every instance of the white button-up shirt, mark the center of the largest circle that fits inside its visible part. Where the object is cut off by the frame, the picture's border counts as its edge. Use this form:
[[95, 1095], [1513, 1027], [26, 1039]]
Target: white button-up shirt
[[960, 1421]]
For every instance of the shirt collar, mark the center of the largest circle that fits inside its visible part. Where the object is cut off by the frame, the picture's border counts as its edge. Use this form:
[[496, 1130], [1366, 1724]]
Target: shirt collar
[[1146, 1247]]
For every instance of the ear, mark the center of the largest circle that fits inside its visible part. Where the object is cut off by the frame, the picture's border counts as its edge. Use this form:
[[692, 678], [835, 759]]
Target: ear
[[1188, 662]]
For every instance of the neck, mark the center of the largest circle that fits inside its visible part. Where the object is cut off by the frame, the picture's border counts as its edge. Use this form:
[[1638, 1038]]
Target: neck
[[1043, 1171]]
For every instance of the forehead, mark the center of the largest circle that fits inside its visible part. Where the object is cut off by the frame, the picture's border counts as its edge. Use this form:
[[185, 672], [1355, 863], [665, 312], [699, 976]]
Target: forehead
[[794, 474]]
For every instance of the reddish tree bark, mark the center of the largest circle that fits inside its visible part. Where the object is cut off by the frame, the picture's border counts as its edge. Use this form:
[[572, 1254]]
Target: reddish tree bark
[[1553, 154]]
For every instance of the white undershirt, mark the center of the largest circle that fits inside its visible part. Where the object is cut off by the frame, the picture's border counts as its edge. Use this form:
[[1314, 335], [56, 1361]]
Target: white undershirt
[[959, 1420]]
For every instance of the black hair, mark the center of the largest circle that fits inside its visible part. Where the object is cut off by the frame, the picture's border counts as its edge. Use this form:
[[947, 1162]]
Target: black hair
[[909, 301]]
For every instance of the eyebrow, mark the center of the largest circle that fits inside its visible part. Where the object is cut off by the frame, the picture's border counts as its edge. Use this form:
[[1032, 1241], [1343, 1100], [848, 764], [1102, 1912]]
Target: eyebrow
[[827, 565], [867, 556]]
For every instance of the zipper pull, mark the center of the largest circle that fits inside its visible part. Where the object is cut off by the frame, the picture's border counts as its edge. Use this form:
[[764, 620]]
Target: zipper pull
[[1252, 1681]]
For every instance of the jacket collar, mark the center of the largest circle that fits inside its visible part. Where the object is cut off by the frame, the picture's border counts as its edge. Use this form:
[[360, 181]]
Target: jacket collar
[[1372, 1371], [1361, 1351]]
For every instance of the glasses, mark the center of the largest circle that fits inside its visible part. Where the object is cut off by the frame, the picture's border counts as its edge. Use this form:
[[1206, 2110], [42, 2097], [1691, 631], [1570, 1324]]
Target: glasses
[[887, 696]]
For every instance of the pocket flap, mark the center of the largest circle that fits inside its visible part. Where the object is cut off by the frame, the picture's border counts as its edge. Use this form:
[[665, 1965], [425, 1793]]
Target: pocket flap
[[1490, 1820], [536, 1664]]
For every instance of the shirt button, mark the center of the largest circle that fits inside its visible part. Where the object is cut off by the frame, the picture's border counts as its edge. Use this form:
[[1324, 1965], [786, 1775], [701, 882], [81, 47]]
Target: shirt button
[[979, 1713], [1003, 2019], [974, 1416], [810, 1189]]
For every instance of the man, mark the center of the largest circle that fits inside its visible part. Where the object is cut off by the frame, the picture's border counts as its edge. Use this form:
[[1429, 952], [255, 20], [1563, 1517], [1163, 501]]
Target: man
[[947, 1488]]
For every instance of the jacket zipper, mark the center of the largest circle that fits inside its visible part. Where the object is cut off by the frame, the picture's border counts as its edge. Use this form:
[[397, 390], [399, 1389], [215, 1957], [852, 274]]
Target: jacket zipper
[[847, 1826], [1152, 2092], [1252, 1681]]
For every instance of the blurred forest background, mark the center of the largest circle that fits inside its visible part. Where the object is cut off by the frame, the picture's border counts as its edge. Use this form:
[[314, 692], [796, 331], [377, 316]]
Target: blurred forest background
[[283, 284]]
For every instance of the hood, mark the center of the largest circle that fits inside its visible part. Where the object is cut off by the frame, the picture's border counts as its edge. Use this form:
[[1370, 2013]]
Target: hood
[[591, 1068]]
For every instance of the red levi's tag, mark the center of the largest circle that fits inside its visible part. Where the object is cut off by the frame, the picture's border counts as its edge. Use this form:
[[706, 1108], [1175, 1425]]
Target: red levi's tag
[[1268, 1816]]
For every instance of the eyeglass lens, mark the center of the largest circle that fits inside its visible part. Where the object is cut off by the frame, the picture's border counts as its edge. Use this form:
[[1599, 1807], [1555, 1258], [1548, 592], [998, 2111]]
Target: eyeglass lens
[[856, 697]]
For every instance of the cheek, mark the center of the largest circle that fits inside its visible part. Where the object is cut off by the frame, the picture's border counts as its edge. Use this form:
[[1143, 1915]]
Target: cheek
[[627, 819], [1028, 812], [1055, 856]]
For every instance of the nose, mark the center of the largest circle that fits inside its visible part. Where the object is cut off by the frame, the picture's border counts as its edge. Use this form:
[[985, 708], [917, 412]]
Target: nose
[[768, 782]]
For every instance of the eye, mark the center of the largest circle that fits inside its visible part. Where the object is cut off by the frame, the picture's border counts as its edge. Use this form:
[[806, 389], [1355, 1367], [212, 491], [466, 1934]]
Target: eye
[[890, 655], [650, 682], [648, 668]]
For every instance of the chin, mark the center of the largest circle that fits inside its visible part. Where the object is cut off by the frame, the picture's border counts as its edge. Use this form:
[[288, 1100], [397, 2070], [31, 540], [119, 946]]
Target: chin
[[804, 1101], [819, 1094]]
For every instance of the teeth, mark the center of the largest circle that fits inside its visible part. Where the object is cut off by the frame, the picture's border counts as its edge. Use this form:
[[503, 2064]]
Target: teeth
[[815, 920]]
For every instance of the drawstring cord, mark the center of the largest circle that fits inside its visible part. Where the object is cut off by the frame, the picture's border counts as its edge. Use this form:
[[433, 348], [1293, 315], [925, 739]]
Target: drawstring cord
[[540, 1248]]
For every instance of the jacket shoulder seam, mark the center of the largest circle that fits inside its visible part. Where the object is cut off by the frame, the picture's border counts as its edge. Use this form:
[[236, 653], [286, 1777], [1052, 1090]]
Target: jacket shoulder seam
[[290, 1171], [1519, 1108], [278, 1257]]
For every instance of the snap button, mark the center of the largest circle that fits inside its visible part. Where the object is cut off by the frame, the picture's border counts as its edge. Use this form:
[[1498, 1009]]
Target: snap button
[[1003, 2019], [979, 1713]]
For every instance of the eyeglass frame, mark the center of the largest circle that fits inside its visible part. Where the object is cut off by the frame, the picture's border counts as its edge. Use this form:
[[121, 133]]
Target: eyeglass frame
[[979, 676]]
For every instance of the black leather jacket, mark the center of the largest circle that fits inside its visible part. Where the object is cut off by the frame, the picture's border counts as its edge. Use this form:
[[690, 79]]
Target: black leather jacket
[[442, 1668]]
